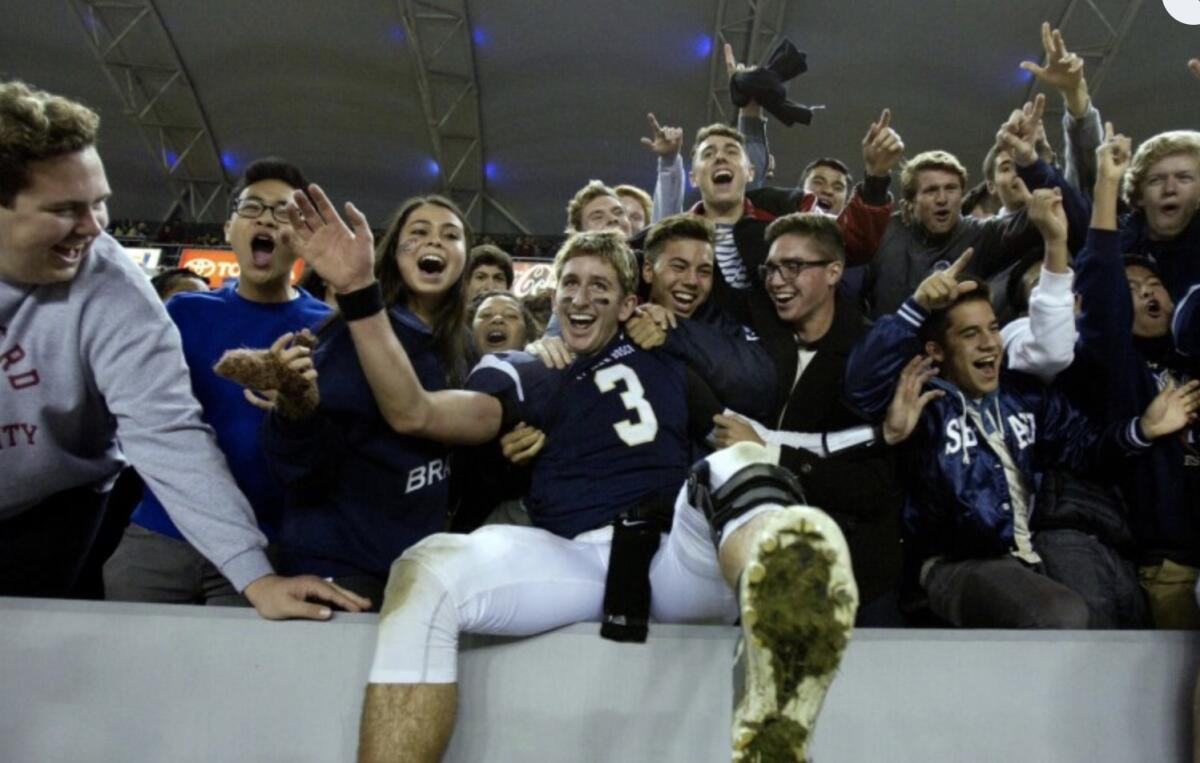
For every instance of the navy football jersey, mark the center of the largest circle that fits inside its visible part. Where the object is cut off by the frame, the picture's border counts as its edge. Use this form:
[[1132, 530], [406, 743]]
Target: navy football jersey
[[616, 426]]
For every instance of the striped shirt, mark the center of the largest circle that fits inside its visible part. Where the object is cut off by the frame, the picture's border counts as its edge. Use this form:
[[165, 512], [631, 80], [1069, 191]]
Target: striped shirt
[[733, 269]]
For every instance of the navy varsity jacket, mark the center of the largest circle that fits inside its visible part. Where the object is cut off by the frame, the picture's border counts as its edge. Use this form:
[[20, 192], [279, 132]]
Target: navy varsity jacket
[[957, 497]]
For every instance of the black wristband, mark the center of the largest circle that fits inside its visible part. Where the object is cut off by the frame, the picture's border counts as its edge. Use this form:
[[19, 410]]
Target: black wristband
[[362, 303]]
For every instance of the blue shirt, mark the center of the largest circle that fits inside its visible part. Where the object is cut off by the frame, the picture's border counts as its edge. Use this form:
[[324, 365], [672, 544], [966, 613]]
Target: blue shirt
[[211, 323]]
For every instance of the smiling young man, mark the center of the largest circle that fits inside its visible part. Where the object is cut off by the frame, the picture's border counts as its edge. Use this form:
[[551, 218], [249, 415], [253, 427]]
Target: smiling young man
[[154, 562], [597, 207], [93, 372], [678, 270], [976, 443], [832, 451]]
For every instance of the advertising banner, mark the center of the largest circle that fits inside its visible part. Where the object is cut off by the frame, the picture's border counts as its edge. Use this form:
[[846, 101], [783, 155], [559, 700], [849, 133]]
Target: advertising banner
[[531, 276], [219, 265]]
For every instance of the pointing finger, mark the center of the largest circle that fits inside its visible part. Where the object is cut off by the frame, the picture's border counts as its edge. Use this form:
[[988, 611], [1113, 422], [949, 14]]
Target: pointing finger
[[654, 125], [961, 262]]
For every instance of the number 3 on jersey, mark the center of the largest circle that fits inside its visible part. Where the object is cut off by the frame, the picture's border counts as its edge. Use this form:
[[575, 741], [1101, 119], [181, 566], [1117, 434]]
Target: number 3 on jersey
[[634, 399]]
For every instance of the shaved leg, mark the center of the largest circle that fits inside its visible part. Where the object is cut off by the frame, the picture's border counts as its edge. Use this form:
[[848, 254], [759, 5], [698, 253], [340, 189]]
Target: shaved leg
[[406, 723]]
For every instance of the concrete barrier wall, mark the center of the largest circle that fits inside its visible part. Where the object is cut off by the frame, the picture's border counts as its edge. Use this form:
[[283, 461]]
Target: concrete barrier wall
[[101, 682]]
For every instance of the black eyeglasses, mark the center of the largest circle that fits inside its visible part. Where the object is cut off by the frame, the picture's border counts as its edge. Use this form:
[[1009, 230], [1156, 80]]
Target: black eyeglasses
[[253, 208], [789, 269]]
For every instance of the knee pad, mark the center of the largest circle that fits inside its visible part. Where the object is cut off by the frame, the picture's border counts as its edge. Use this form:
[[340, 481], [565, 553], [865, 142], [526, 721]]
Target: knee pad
[[418, 621], [747, 488]]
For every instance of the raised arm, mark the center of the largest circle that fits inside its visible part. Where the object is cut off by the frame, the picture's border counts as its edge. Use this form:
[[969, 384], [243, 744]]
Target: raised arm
[[665, 142], [1106, 316], [343, 256], [752, 125], [878, 359], [1082, 131], [1048, 347]]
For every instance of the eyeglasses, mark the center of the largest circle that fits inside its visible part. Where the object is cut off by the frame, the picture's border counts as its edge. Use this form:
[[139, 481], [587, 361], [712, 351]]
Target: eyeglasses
[[252, 209], [789, 269]]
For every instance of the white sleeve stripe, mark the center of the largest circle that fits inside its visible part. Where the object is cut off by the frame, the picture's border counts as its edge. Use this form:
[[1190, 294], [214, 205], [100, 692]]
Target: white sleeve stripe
[[1134, 437], [910, 315], [503, 366]]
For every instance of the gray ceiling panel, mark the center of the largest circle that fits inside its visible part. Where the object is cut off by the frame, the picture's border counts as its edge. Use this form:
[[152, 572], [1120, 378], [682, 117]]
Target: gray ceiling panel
[[565, 87]]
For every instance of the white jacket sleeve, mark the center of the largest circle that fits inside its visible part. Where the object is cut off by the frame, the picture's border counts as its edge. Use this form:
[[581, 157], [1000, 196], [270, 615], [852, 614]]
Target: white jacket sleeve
[[1044, 343], [668, 189]]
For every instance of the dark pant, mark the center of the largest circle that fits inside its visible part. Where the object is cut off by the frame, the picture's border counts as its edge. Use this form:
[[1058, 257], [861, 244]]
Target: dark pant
[[1107, 582], [152, 567], [46, 550], [1001, 593]]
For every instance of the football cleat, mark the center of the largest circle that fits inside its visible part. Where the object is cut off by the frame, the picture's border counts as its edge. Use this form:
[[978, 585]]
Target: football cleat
[[798, 600]]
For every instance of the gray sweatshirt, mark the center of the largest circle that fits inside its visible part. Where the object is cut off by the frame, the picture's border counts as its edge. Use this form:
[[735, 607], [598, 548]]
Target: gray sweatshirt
[[92, 371]]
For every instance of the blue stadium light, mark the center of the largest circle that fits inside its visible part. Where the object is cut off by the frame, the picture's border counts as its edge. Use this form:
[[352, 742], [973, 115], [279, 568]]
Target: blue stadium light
[[1022, 75], [490, 171], [170, 157], [228, 160], [396, 33], [702, 46], [478, 36], [432, 167]]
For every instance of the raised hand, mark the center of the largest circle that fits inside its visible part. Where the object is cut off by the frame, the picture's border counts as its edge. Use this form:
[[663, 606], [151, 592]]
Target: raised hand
[[1113, 155], [344, 256], [730, 430], [732, 67], [881, 146], [908, 401], [1061, 70], [1171, 410], [664, 141], [1018, 135], [1046, 212], [522, 444], [942, 287]]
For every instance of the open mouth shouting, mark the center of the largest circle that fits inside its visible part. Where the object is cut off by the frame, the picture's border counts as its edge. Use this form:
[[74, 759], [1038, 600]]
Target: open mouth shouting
[[432, 264], [1154, 309], [262, 250], [497, 338], [988, 367], [722, 177]]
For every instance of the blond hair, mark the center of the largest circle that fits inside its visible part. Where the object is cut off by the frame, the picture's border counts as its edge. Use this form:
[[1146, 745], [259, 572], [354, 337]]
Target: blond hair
[[637, 194], [36, 125], [584, 196], [1150, 152], [930, 160], [609, 246]]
